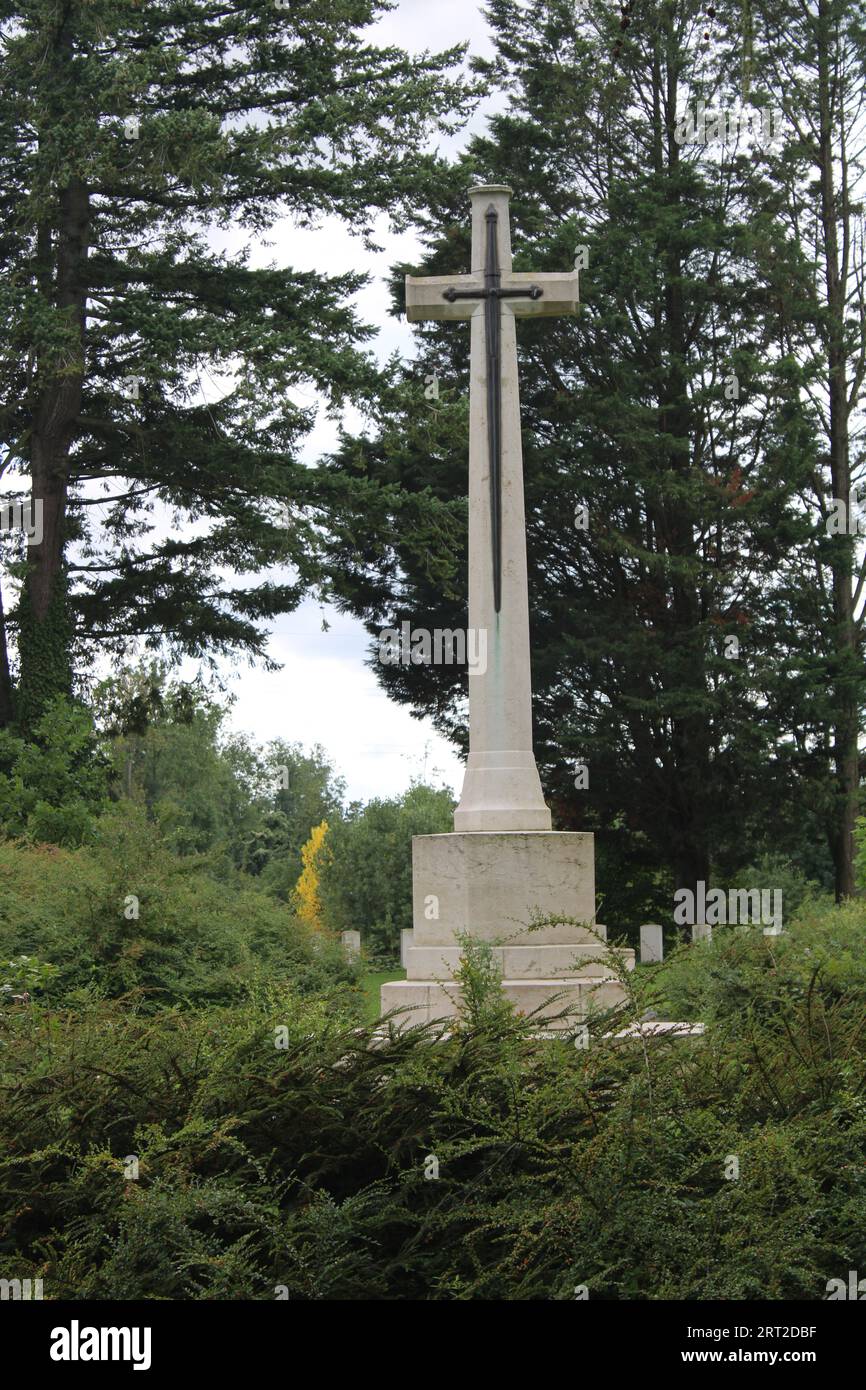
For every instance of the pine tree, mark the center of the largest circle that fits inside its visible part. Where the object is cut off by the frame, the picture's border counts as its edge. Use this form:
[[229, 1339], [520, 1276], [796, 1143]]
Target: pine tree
[[129, 134], [816, 173]]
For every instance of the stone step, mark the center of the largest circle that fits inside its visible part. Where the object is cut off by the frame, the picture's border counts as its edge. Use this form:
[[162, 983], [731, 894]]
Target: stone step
[[426, 1001], [518, 962]]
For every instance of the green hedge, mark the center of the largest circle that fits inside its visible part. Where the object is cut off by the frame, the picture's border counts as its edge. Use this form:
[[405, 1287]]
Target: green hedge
[[308, 1168]]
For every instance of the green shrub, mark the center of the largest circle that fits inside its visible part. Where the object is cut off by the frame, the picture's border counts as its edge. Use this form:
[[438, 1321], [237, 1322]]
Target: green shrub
[[309, 1167], [776, 872], [24, 974], [125, 913], [742, 971], [54, 785]]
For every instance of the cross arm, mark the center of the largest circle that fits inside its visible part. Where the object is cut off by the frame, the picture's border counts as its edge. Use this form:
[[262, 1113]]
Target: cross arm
[[425, 296], [559, 293]]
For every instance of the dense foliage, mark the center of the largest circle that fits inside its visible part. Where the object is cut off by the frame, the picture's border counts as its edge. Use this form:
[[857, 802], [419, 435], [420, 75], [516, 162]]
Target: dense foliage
[[147, 797], [125, 913], [280, 1154], [366, 879]]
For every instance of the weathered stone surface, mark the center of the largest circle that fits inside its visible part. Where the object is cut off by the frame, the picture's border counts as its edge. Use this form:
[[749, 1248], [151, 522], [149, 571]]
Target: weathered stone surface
[[504, 868], [491, 886], [494, 884], [652, 946], [516, 962], [351, 944], [406, 937], [501, 787]]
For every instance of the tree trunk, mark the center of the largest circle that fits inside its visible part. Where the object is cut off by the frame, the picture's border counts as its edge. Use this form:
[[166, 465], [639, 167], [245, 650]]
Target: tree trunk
[[690, 736], [846, 675], [45, 635], [7, 709]]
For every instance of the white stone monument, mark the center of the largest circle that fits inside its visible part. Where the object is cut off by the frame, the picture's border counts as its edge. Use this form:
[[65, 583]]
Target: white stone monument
[[351, 944], [652, 943], [503, 866], [405, 943]]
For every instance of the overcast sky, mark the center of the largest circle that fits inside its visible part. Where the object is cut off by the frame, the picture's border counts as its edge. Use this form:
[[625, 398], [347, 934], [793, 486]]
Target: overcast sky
[[324, 692]]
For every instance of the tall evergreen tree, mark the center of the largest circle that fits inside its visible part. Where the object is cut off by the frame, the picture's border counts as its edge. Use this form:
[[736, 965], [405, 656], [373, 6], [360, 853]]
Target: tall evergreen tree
[[656, 631], [128, 132], [810, 60]]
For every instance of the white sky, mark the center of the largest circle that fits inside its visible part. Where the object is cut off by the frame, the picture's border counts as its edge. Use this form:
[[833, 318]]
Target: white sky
[[324, 693]]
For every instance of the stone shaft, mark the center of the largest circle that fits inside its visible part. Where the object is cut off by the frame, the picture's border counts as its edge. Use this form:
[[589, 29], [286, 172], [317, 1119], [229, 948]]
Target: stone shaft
[[501, 787]]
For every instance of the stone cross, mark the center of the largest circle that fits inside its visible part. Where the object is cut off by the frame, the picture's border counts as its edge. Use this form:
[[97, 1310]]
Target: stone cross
[[501, 788]]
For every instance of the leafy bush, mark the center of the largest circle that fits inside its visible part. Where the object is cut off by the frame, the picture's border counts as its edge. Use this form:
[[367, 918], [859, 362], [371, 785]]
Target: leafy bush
[[53, 786], [742, 972], [24, 974], [775, 872], [860, 851], [306, 1168], [125, 913]]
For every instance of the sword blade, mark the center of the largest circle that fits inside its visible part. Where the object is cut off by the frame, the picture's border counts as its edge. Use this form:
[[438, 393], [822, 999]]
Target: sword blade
[[492, 313]]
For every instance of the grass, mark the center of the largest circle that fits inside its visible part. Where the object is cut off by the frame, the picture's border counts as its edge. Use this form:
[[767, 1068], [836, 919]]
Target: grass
[[371, 983]]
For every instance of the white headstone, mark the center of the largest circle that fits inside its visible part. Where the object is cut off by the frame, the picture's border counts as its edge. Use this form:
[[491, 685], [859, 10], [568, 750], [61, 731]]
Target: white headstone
[[405, 942], [351, 944], [651, 943]]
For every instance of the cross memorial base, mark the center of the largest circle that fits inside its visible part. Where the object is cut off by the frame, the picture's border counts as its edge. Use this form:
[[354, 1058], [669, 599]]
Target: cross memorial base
[[492, 885]]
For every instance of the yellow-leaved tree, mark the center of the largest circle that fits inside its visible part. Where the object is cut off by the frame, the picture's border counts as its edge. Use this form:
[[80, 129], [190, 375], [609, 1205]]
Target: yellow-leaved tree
[[306, 896]]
